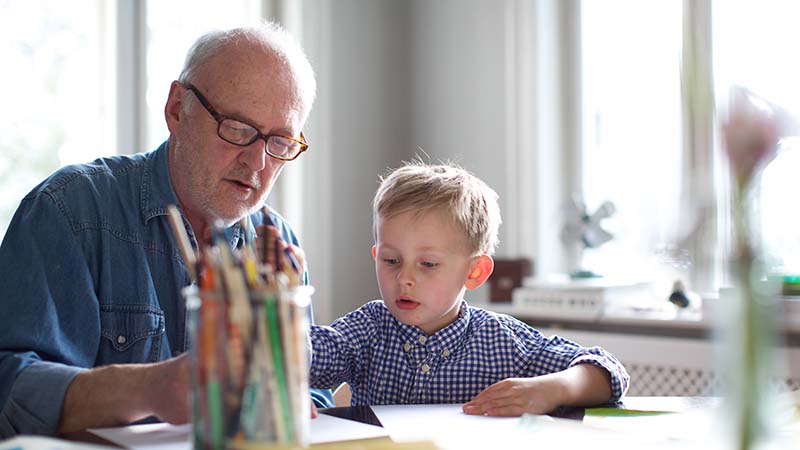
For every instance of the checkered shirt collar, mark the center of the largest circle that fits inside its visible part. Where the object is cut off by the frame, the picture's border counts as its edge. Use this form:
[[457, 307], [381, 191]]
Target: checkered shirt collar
[[448, 337]]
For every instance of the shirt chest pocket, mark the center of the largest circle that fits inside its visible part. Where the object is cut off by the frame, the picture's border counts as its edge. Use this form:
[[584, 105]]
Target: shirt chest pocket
[[130, 334]]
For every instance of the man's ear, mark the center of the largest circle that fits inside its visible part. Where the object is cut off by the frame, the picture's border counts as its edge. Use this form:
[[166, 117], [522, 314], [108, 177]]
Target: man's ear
[[173, 108], [375, 252], [480, 271]]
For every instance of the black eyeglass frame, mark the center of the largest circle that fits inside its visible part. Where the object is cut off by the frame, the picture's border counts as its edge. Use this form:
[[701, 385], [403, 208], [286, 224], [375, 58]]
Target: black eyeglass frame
[[219, 118]]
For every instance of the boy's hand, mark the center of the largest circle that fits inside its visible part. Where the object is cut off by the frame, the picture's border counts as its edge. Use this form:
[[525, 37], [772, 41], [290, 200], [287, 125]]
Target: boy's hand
[[517, 396], [580, 385]]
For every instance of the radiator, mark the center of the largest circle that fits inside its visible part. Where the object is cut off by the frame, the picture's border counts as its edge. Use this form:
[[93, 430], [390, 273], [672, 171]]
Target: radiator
[[670, 366]]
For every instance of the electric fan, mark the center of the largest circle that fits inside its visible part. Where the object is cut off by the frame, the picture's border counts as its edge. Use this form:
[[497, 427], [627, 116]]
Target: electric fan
[[582, 230]]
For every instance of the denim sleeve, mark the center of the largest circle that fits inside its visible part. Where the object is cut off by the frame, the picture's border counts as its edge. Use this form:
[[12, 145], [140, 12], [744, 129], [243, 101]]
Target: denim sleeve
[[34, 404], [49, 316]]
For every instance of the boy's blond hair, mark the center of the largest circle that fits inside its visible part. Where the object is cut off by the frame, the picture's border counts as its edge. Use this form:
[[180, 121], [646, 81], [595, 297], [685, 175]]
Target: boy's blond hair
[[469, 202]]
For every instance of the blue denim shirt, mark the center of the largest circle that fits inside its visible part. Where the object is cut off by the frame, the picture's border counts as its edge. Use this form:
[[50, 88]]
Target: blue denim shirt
[[90, 274]]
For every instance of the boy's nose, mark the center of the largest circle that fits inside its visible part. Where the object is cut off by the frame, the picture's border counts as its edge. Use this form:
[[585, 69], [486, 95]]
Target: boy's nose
[[406, 276]]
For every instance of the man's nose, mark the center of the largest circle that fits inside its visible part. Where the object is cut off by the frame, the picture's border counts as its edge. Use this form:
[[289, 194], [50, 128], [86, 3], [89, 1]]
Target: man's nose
[[254, 156]]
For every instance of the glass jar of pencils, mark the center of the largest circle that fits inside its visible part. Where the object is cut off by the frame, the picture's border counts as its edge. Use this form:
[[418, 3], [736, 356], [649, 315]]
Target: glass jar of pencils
[[249, 357]]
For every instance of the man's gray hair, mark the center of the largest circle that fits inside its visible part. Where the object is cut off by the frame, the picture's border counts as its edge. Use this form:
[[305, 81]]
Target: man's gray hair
[[270, 36]]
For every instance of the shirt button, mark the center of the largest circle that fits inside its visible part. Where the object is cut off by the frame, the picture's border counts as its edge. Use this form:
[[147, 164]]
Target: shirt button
[[121, 339], [406, 347], [422, 340], [425, 368], [446, 353]]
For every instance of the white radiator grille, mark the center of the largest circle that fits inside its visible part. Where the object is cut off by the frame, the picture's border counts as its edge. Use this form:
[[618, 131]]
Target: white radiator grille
[[665, 366], [658, 380]]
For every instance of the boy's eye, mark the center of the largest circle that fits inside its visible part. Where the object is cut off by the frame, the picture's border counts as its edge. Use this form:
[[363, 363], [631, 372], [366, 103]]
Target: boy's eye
[[429, 265], [390, 261]]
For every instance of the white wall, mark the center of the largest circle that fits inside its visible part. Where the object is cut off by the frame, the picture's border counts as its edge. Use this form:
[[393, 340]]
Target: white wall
[[458, 80], [361, 123], [397, 75]]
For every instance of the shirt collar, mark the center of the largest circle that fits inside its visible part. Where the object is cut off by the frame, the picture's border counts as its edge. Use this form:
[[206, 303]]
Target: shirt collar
[[156, 188], [448, 337]]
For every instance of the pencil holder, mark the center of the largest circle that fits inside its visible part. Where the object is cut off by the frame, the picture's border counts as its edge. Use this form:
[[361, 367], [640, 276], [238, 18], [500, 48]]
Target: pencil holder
[[249, 367]]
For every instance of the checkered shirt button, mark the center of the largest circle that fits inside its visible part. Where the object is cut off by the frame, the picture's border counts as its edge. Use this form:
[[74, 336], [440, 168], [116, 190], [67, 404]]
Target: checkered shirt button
[[425, 368], [446, 352], [406, 347], [423, 340]]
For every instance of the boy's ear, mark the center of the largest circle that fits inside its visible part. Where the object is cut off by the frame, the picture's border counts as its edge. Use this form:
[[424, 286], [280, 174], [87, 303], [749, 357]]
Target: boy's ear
[[375, 252], [481, 269]]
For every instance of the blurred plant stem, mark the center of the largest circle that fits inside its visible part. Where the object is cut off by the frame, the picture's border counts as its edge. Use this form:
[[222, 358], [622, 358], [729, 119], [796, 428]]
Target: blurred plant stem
[[750, 144], [748, 385]]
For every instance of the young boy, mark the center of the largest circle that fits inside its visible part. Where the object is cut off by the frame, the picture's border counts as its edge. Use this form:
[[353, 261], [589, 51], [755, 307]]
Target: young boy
[[435, 228]]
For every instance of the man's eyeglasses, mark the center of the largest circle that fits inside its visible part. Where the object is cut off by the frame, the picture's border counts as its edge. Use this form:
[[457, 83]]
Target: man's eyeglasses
[[243, 134]]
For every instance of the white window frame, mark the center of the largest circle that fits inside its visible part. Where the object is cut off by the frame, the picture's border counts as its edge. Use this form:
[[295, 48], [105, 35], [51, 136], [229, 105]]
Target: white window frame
[[129, 83]]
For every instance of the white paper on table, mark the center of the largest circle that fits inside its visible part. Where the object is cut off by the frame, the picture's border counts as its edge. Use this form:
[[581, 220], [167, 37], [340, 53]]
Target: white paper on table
[[150, 436], [450, 428], [163, 436], [46, 443], [443, 424], [327, 428]]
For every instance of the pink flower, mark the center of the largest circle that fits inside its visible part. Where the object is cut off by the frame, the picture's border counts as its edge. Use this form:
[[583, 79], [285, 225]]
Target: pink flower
[[750, 134]]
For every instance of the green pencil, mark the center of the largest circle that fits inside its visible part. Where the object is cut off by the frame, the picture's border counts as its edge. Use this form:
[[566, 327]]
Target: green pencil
[[277, 357]]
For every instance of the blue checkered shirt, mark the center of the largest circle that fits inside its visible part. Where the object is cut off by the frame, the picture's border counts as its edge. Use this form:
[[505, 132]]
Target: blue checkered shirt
[[387, 362]]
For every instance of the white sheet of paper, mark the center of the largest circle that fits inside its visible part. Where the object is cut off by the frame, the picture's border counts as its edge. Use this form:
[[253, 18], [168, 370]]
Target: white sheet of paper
[[446, 425], [46, 443], [162, 436], [327, 428], [451, 429], [151, 436]]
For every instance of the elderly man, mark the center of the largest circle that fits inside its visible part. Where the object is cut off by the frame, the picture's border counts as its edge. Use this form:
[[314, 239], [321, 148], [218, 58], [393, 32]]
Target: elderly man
[[93, 323]]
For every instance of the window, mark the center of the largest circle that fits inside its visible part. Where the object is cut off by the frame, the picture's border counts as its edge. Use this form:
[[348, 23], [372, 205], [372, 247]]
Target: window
[[631, 128], [632, 138], [755, 47], [53, 91], [62, 96]]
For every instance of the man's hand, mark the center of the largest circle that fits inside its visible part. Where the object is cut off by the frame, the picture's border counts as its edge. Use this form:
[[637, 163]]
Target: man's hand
[[169, 389], [123, 393], [516, 396], [275, 237]]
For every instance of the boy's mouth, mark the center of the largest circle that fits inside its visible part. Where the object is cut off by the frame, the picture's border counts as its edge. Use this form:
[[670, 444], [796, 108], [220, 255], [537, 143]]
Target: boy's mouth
[[406, 303]]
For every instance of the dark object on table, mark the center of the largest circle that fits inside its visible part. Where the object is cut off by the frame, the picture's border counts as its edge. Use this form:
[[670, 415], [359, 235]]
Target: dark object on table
[[568, 412], [678, 296], [361, 413], [508, 274], [364, 413]]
